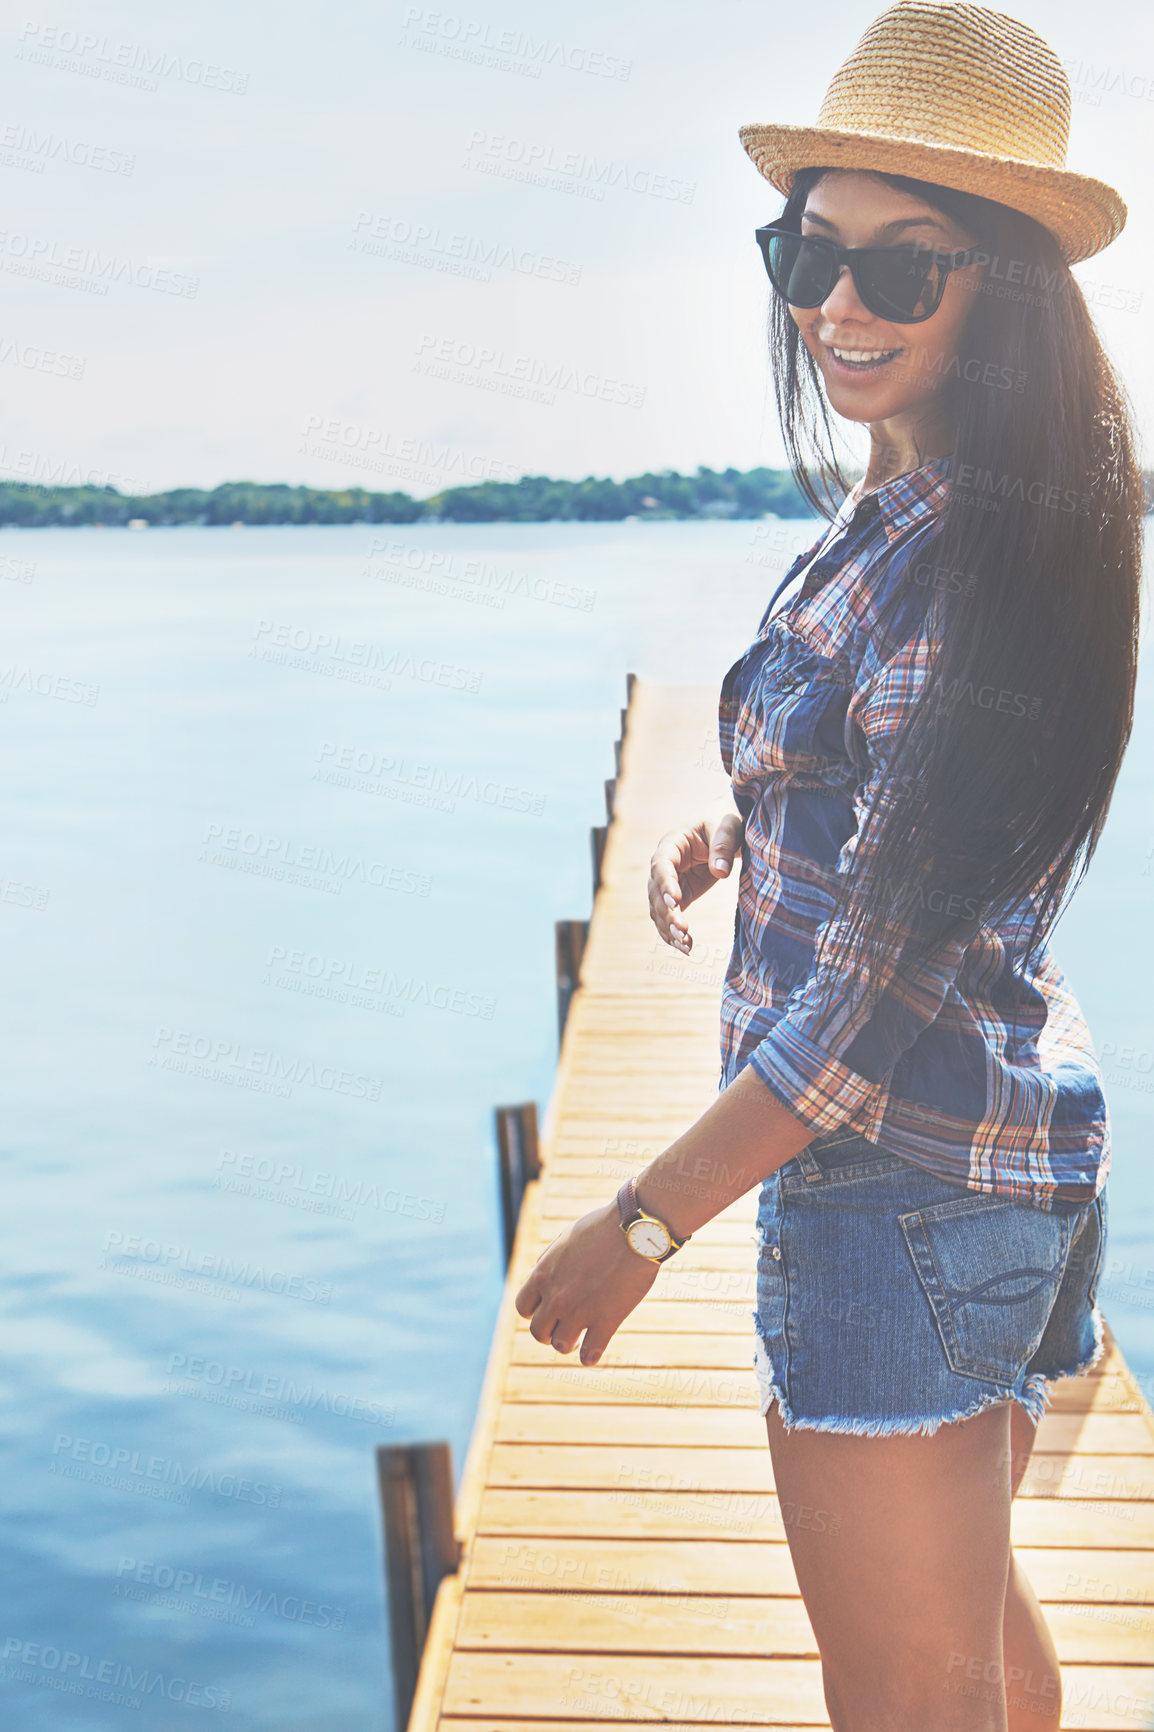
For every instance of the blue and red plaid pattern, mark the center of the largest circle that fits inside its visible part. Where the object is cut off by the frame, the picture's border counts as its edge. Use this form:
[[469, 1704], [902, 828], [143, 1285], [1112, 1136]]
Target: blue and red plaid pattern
[[972, 1066]]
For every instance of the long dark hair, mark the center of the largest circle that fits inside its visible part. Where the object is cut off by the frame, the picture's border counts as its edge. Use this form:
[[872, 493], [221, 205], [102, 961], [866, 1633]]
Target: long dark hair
[[997, 787]]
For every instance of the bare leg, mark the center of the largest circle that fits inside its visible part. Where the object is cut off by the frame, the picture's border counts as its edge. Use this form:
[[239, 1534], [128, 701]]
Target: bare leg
[[901, 1546], [1033, 1681]]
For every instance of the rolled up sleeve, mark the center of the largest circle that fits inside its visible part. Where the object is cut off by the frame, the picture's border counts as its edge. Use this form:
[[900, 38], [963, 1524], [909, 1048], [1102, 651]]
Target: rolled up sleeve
[[829, 1065]]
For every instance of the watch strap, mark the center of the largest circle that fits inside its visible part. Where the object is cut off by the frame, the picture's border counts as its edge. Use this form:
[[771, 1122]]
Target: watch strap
[[627, 1205], [629, 1209]]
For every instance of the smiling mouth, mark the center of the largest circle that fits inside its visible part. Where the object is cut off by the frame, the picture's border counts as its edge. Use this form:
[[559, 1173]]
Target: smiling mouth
[[861, 360]]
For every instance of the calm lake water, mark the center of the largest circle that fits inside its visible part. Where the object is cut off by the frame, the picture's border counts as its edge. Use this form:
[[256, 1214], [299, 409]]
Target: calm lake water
[[263, 993]]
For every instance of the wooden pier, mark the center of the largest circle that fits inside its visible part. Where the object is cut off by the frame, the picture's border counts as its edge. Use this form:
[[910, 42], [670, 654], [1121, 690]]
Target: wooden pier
[[623, 1554]]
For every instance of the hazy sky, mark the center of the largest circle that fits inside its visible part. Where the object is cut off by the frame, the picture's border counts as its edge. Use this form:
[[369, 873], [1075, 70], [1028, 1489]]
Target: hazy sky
[[323, 257]]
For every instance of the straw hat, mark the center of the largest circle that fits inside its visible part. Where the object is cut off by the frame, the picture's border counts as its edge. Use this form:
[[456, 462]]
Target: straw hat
[[952, 93]]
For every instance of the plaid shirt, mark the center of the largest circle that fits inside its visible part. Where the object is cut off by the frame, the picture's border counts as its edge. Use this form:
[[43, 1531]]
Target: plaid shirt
[[968, 1065]]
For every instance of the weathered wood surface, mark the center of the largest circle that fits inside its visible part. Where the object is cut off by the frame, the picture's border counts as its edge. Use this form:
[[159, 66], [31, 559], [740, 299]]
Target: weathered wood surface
[[625, 1557]]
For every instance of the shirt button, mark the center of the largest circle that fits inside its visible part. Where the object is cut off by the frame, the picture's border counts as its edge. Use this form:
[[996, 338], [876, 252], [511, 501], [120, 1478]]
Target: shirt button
[[776, 1252]]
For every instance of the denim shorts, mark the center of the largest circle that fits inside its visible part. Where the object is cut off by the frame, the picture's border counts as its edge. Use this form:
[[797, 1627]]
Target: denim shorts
[[890, 1300]]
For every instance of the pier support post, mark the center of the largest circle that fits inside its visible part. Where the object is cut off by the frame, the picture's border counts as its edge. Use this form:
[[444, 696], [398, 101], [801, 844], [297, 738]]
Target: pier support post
[[599, 833], [597, 837], [519, 1161], [416, 1485], [569, 941]]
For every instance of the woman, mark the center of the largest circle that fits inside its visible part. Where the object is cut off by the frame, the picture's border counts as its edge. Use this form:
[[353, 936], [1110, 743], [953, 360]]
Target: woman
[[923, 740]]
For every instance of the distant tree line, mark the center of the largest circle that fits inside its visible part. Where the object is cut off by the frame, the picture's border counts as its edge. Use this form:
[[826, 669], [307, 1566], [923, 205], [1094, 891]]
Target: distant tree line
[[33, 507], [733, 493], [709, 493], [533, 499]]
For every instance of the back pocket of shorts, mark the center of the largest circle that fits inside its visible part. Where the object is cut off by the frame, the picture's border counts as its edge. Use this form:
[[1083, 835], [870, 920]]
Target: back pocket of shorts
[[990, 1269]]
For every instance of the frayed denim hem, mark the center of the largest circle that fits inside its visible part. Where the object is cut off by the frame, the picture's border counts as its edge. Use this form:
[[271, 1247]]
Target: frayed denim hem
[[1036, 1390], [1032, 1398]]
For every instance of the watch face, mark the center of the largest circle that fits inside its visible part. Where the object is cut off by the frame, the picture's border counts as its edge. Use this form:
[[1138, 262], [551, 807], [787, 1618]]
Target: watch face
[[649, 1237]]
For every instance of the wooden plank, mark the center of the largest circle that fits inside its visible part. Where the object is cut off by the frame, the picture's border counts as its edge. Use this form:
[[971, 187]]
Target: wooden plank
[[759, 1692], [559, 1213], [666, 1467], [599, 1017], [1105, 1698], [740, 1515], [722, 1352], [637, 1687], [730, 1568], [608, 1466], [579, 1193], [542, 1422], [659, 1623], [565, 1379], [489, 1724], [733, 1287], [436, 1655], [658, 1385], [630, 1121], [1095, 1433], [1102, 1634], [613, 1564], [631, 1513], [752, 1627], [676, 1317], [680, 1102], [700, 1254], [1112, 1477], [1110, 1577]]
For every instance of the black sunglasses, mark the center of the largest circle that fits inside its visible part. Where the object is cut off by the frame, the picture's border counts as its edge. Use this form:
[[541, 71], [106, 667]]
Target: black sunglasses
[[904, 284]]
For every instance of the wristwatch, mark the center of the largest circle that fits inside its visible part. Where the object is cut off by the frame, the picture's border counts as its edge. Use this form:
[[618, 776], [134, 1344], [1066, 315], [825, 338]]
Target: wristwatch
[[648, 1236]]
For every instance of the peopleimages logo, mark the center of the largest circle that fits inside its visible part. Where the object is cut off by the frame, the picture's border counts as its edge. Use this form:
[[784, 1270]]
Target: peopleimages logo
[[34, 255], [46, 685], [76, 1457], [494, 369], [123, 1250], [461, 255], [444, 572], [135, 63], [509, 49], [79, 1674], [218, 1591], [242, 1387], [306, 969], [572, 170], [424, 784], [310, 864], [22, 146], [329, 652], [14, 353], [986, 488], [202, 1054], [316, 1192]]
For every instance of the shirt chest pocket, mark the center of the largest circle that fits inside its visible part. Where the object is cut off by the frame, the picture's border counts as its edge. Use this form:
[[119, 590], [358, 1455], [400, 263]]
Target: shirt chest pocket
[[792, 712]]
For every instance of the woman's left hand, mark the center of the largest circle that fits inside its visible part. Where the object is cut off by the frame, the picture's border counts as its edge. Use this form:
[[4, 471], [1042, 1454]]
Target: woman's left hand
[[590, 1279]]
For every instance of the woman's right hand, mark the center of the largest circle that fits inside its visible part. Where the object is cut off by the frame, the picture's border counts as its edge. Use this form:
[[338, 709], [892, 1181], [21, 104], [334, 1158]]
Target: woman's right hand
[[685, 864]]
